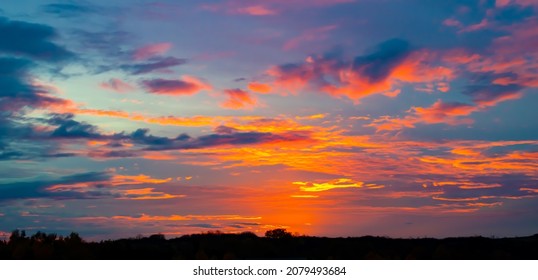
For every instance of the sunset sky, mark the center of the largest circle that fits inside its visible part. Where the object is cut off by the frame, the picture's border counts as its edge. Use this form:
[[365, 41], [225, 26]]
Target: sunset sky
[[401, 118]]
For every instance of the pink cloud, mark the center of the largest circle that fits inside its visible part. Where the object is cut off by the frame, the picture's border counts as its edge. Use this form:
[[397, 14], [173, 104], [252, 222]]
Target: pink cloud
[[310, 35], [151, 50], [257, 10], [268, 7], [117, 85]]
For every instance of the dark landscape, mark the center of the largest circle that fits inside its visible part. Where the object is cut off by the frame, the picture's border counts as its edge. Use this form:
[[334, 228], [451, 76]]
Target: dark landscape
[[276, 244]]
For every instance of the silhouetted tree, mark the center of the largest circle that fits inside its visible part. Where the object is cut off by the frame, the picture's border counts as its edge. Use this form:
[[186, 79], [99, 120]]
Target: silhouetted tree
[[278, 233], [73, 238], [158, 236]]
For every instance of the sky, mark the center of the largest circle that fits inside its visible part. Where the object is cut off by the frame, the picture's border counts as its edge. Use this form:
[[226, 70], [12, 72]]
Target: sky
[[399, 118]]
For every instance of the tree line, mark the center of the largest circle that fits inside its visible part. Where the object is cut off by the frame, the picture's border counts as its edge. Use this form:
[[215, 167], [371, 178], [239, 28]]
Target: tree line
[[276, 244]]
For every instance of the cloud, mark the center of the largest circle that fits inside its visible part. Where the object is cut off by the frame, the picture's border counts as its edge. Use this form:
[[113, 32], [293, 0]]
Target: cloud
[[28, 44], [186, 86], [66, 10], [384, 70], [152, 50], [142, 136], [342, 183], [69, 128], [451, 113], [378, 65], [224, 136], [445, 112], [156, 64], [31, 40], [259, 88], [147, 194], [257, 10], [491, 94], [38, 188], [308, 36], [238, 99], [140, 142], [268, 7], [161, 120], [90, 185], [109, 43], [19, 94], [117, 85]]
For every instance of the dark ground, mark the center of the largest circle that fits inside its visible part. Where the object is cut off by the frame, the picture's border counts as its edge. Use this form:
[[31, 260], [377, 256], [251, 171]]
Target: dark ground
[[278, 244]]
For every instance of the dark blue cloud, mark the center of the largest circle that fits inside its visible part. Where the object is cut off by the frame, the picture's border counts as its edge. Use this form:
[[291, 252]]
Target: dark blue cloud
[[492, 93], [13, 75], [69, 10], [69, 128], [31, 40], [108, 43], [378, 65], [184, 141], [22, 47], [512, 14], [63, 127], [38, 188], [141, 136]]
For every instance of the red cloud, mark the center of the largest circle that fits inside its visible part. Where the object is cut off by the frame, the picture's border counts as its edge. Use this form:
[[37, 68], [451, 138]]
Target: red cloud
[[117, 85], [238, 99], [151, 50], [187, 86]]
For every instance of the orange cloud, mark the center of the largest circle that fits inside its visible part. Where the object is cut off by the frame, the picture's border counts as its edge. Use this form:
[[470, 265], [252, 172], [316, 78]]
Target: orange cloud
[[239, 99], [116, 180], [451, 113], [259, 88], [342, 183], [146, 194], [120, 180], [444, 112]]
